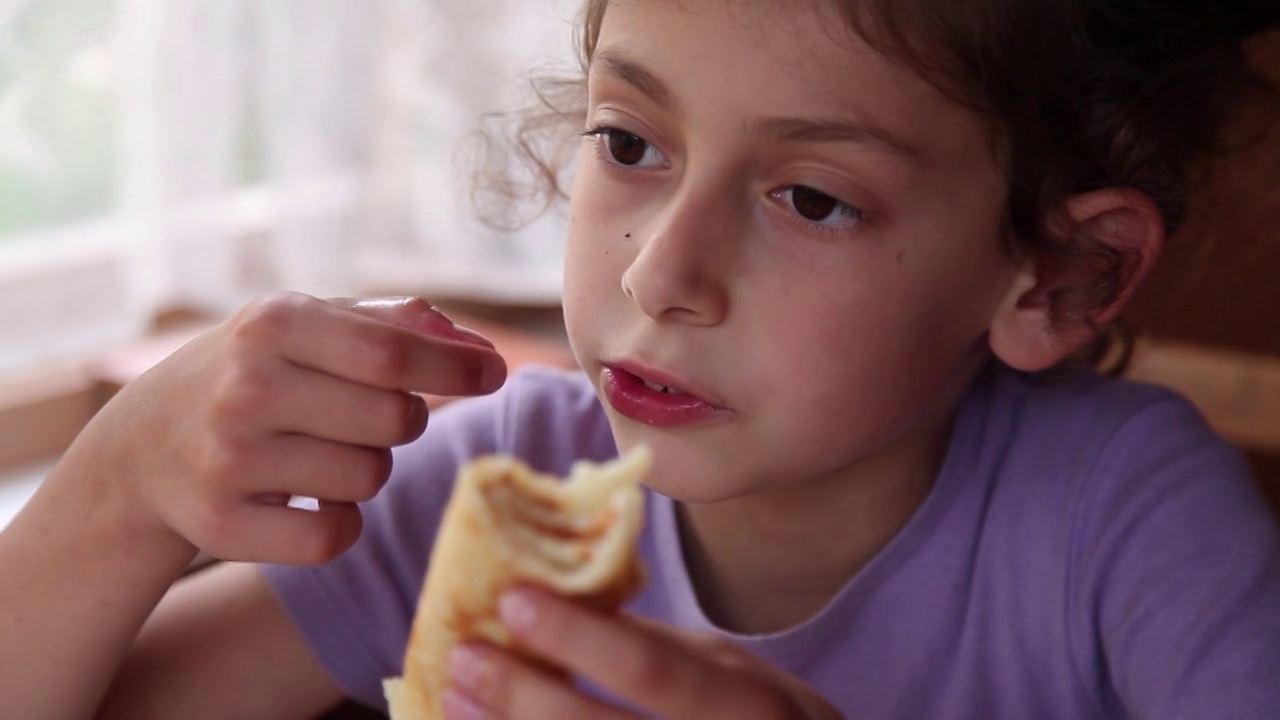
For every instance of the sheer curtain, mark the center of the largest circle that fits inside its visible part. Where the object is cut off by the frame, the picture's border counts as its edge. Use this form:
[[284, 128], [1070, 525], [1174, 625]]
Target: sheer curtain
[[359, 111], [447, 64], [249, 134], [299, 144]]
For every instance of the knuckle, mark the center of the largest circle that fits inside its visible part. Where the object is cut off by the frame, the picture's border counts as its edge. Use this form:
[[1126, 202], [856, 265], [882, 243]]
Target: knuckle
[[373, 469], [329, 538], [387, 359], [222, 461], [241, 394], [725, 650], [646, 670], [495, 681], [401, 416], [268, 317], [211, 528]]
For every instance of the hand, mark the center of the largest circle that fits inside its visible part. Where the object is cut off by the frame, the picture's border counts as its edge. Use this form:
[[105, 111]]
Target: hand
[[292, 396], [662, 671]]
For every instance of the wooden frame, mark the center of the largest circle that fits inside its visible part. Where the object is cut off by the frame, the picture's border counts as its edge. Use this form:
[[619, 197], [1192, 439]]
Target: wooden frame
[[1239, 393]]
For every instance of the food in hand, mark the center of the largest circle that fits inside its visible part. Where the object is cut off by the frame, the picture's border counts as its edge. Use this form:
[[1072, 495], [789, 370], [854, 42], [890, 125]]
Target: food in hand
[[506, 525]]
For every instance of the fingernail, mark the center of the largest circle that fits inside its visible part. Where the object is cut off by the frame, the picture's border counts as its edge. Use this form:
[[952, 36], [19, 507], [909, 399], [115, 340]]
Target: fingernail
[[458, 706], [493, 373], [386, 303], [466, 334], [437, 324], [466, 667], [518, 610]]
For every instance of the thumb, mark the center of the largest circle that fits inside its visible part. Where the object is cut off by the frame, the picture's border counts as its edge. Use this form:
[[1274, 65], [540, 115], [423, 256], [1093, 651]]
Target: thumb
[[414, 313]]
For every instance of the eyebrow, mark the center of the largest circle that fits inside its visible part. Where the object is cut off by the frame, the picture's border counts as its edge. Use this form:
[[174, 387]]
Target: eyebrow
[[637, 76], [819, 130], [781, 129]]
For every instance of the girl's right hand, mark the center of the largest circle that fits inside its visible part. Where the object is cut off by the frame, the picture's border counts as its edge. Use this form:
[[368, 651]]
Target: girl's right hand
[[293, 396]]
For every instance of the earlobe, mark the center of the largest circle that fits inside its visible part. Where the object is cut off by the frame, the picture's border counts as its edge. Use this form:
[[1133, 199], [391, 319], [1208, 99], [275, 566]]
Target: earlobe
[[1021, 333], [1058, 303]]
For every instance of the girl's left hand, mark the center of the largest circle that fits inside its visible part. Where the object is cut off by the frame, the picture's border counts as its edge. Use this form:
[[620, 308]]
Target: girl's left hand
[[661, 671]]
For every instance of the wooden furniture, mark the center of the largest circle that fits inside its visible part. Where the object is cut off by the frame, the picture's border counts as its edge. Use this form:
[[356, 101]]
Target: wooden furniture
[[1212, 309]]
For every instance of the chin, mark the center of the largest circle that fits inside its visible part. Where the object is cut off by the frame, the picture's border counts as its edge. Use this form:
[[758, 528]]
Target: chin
[[686, 470]]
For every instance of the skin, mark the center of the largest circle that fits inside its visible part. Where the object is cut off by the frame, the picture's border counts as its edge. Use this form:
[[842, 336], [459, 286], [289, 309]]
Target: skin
[[291, 396], [840, 350]]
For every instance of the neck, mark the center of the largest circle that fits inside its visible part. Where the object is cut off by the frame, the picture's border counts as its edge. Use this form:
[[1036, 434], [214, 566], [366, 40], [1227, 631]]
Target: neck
[[769, 561]]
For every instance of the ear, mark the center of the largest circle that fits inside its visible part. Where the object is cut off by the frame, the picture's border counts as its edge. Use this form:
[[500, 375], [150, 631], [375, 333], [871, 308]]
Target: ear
[[1055, 307]]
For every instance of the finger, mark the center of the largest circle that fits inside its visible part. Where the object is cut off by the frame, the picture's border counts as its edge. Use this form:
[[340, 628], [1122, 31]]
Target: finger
[[506, 686], [732, 655], [415, 314], [330, 472], [648, 669], [715, 647], [279, 535], [365, 349], [322, 406]]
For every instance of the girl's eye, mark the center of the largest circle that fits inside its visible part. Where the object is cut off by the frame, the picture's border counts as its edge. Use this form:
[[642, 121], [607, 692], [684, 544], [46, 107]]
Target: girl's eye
[[818, 207], [627, 149]]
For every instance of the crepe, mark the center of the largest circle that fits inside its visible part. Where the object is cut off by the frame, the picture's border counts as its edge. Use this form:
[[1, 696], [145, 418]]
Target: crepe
[[506, 525]]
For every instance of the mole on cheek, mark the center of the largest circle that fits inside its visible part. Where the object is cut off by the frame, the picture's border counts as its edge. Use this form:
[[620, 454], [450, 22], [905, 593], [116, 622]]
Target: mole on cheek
[[628, 234]]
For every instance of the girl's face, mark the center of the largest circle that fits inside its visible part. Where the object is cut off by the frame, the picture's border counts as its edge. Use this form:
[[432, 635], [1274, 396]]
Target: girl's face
[[776, 219]]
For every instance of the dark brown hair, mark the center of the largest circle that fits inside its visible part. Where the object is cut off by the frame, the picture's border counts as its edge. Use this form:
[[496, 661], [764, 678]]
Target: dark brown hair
[[1083, 94]]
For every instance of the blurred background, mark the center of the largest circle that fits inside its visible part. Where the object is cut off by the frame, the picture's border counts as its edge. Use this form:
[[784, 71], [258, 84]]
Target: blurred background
[[184, 153], [162, 162]]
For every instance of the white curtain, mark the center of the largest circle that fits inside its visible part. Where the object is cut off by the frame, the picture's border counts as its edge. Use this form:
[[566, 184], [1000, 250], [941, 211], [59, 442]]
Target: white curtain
[[361, 109], [283, 89], [262, 144], [448, 63]]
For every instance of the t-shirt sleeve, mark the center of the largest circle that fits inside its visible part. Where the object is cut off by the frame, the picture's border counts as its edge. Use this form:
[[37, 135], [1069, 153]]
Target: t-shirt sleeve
[[356, 611], [1178, 562]]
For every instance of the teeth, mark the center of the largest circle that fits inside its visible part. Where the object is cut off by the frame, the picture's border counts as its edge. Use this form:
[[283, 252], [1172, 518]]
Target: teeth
[[663, 388]]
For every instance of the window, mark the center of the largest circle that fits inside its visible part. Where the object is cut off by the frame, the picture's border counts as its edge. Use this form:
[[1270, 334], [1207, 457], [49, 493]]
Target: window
[[158, 152]]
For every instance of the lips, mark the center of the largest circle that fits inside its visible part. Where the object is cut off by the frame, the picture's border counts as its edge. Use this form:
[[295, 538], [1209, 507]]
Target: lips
[[655, 398]]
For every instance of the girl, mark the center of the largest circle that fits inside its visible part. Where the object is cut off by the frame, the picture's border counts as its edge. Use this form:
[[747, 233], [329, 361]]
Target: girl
[[822, 257]]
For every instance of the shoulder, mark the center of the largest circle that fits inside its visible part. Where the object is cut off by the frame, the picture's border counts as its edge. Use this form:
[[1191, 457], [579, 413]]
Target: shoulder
[[1090, 400], [1142, 527], [1077, 464], [1090, 425]]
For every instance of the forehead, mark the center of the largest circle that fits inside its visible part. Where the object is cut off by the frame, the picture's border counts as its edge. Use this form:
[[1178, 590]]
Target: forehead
[[781, 58]]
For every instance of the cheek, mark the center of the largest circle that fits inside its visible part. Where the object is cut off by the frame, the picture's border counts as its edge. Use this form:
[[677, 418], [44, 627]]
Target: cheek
[[857, 342], [597, 253]]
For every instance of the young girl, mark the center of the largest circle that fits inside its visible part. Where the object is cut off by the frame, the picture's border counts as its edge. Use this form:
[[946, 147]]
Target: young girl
[[824, 258]]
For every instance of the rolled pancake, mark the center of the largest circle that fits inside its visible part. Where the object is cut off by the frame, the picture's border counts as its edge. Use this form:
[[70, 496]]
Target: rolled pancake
[[506, 525]]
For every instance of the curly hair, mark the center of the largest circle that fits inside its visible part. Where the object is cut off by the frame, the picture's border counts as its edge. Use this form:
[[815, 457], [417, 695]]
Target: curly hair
[[1081, 94]]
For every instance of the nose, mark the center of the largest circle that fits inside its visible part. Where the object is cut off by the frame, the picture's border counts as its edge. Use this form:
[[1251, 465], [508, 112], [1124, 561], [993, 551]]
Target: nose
[[681, 270]]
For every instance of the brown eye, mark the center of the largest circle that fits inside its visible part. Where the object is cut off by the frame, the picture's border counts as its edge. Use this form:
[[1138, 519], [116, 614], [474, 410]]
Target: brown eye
[[625, 148], [813, 205], [818, 209]]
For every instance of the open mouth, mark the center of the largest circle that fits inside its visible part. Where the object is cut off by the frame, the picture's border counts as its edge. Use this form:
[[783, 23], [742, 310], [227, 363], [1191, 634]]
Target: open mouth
[[656, 399], [664, 389]]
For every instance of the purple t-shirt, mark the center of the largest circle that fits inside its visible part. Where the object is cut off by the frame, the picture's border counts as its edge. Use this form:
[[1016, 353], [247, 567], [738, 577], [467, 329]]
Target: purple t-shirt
[[1090, 550]]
